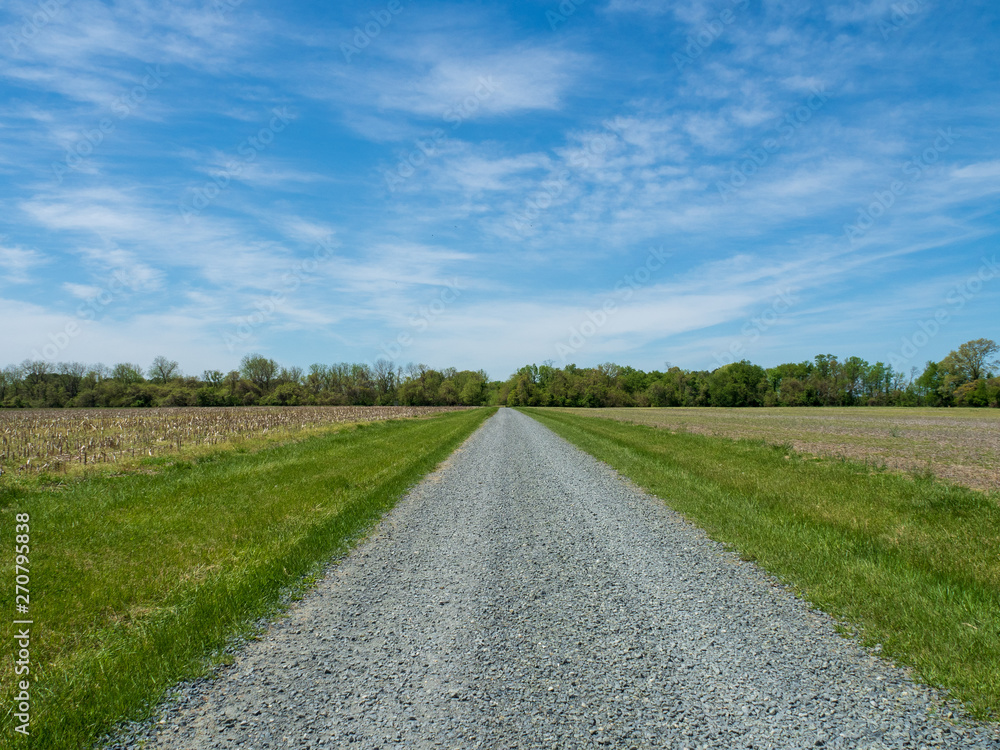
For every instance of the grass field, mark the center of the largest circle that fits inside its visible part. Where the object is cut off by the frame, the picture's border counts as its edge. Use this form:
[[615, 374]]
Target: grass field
[[908, 563], [960, 445], [137, 579], [37, 442]]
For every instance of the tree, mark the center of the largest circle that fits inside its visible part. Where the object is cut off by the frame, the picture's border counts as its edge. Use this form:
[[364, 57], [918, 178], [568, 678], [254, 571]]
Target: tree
[[287, 393], [127, 373], [931, 385], [971, 361], [259, 370], [100, 371], [318, 379], [35, 370], [384, 377], [215, 377], [447, 393], [473, 392], [163, 370], [72, 375], [9, 378], [232, 382], [738, 384], [855, 371], [292, 374], [794, 393]]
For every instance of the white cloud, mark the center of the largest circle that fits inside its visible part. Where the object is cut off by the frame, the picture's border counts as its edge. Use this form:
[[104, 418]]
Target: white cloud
[[988, 170], [447, 81], [81, 291], [17, 264], [133, 273], [470, 86], [621, 150]]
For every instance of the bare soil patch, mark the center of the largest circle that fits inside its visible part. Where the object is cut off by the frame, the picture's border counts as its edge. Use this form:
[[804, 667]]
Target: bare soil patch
[[959, 445]]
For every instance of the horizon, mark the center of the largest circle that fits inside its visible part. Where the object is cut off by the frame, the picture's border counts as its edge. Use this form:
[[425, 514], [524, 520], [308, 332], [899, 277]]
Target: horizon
[[480, 186], [147, 372]]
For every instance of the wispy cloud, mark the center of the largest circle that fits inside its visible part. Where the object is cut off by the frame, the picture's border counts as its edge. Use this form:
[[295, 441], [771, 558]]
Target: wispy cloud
[[542, 163], [18, 263]]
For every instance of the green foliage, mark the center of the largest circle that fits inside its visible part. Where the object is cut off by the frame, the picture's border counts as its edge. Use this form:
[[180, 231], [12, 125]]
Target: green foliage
[[982, 392], [827, 381], [163, 370], [971, 361], [259, 370], [738, 384], [127, 373], [260, 381], [964, 377]]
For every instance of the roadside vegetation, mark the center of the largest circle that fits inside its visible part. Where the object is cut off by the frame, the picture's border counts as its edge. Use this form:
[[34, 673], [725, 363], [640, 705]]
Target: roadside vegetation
[[140, 579], [909, 564]]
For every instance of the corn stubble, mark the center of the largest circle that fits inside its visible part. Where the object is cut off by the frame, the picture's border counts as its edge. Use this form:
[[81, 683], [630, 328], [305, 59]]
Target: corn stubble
[[52, 440]]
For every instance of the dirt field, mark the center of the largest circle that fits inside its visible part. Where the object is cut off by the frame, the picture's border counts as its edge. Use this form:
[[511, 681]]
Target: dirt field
[[960, 445]]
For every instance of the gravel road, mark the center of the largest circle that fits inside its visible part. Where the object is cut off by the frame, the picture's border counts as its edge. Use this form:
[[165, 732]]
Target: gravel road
[[524, 596]]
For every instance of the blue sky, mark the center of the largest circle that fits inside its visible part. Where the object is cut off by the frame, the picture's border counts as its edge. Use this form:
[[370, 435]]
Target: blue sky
[[484, 185]]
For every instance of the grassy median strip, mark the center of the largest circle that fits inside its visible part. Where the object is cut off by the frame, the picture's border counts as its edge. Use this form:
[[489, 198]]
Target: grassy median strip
[[137, 580], [912, 564]]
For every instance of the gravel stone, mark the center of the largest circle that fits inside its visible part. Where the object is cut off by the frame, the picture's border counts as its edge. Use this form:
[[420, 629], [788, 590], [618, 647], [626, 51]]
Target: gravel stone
[[526, 596]]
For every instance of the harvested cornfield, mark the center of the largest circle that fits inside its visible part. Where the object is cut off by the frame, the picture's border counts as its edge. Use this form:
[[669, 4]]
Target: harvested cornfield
[[54, 439]]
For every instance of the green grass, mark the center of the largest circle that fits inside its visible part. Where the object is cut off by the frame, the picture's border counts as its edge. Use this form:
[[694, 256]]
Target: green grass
[[909, 563], [139, 581], [958, 445]]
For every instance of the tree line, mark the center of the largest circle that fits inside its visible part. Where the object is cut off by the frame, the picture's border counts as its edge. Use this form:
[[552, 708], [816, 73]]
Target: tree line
[[259, 381], [966, 377]]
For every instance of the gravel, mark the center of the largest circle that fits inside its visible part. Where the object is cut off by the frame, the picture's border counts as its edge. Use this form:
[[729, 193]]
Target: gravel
[[525, 596]]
